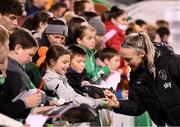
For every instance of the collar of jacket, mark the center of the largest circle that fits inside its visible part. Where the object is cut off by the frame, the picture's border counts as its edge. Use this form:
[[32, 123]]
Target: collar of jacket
[[79, 76], [109, 24], [89, 51], [161, 50], [53, 74], [73, 71], [16, 63]]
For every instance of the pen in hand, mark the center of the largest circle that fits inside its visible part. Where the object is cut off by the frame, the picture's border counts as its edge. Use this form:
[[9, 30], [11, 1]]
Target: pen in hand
[[55, 90]]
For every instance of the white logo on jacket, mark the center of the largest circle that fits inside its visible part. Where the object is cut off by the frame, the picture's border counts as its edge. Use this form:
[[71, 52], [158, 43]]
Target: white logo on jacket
[[167, 84], [162, 74]]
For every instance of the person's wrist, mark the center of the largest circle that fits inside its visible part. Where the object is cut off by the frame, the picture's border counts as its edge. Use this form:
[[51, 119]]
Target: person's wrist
[[117, 104], [103, 104], [25, 103]]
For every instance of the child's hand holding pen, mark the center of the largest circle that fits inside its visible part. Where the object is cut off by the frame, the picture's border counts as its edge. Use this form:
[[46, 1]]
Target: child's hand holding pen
[[33, 100]]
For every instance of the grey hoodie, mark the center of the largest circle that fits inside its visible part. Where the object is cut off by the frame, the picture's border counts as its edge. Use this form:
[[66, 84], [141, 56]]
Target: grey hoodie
[[52, 79]]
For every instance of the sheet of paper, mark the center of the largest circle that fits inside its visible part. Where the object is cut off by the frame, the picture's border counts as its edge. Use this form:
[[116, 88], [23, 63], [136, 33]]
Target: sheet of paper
[[36, 120]]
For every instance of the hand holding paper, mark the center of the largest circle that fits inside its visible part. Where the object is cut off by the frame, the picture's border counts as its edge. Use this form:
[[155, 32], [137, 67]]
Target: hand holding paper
[[36, 120], [33, 100]]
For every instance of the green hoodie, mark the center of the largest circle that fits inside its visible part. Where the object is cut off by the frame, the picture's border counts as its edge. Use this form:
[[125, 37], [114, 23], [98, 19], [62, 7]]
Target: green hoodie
[[93, 72]]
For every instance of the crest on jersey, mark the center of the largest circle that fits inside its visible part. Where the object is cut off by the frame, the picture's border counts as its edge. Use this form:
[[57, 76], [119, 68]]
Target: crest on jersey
[[162, 74]]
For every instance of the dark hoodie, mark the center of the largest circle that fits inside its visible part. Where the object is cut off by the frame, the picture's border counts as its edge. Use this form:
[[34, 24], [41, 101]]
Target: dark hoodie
[[159, 96]]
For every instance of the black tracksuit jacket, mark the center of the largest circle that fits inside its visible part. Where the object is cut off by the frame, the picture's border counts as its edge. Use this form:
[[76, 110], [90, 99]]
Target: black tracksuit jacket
[[16, 81], [159, 96]]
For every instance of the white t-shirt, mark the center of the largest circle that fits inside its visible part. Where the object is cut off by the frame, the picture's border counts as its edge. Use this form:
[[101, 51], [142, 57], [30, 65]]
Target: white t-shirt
[[111, 81]]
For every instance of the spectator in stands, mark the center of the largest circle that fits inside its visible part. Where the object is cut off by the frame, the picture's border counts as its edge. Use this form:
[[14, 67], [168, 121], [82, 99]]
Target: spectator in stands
[[12, 107], [22, 47], [68, 15], [110, 57], [57, 62], [162, 23], [58, 9], [83, 6], [38, 5], [76, 72], [85, 36], [133, 28], [9, 13], [152, 31], [163, 33], [142, 24], [37, 23], [89, 15], [118, 23], [73, 25], [55, 34], [95, 21]]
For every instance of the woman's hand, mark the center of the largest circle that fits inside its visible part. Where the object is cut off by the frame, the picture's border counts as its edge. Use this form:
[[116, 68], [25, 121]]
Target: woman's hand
[[111, 99]]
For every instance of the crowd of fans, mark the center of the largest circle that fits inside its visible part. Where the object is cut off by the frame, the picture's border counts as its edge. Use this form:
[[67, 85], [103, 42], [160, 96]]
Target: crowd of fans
[[67, 46]]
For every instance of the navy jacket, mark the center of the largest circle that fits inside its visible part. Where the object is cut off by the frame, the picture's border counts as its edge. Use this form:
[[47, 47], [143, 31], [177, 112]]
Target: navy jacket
[[75, 79]]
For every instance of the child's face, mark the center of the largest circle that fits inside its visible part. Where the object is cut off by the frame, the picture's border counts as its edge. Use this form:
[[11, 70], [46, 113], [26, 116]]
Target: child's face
[[56, 39], [78, 63], [113, 63], [62, 64], [88, 40], [25, 55]]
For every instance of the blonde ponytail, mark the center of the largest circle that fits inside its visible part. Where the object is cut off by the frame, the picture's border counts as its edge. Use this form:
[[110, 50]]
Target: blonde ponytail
[[150, 53]]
